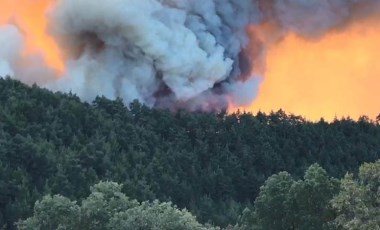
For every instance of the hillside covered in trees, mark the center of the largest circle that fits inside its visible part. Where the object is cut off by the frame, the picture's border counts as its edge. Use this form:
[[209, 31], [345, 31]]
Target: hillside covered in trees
[[212, 164]]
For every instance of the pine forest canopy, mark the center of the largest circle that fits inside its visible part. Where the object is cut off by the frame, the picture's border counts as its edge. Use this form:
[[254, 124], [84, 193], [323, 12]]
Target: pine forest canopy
[[212, 164]]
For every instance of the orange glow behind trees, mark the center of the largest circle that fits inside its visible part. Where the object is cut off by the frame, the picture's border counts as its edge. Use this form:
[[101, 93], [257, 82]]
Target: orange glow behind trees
[[30, 17], [337, 75]]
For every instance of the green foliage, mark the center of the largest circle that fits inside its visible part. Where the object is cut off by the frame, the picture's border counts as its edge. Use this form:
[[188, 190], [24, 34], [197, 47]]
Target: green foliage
[[105, 200], [309, 200], [210, 163], [155, 216], [271, 208], [284, 203], [358, 202], [55, 212], [108, 208]]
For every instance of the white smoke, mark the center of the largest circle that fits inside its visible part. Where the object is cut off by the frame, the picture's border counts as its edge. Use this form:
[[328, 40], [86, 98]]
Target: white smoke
[[12, 45], [137, 49], [169, 53]]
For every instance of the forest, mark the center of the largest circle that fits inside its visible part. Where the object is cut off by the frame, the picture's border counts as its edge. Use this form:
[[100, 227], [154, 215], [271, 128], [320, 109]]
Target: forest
[[69, 164]]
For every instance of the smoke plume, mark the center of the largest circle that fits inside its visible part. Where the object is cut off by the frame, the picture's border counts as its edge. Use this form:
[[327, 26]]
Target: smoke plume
[[193, 54], [10, 52]]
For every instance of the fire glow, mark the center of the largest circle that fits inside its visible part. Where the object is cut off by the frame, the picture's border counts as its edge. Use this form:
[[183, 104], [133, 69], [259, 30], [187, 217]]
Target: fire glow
[[337, 75], [30, 17]]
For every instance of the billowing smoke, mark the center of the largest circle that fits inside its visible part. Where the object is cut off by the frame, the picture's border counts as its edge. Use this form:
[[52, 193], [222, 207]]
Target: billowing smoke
[[190, 54], [164, 53]]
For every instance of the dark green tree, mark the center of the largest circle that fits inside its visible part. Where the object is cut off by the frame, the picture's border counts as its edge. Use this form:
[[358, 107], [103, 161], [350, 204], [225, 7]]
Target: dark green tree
[[287, 204]]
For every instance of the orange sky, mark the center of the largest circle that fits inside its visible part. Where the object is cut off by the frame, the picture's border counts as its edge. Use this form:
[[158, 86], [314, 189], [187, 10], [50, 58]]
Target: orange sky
[[338, 75], [30, 16]]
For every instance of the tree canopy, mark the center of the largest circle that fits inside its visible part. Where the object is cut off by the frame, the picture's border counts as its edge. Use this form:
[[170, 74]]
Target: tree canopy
[[358, 202], [212, 164], [108, 208], [284, 203]]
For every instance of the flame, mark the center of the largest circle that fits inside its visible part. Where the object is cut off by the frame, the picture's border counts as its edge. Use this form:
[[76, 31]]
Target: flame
[[30, 17], [337, 75]]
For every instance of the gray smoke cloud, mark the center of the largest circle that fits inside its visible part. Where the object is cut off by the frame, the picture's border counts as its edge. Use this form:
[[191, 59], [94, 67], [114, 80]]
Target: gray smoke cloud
[[313, 18], [170, 53], [164, 53]]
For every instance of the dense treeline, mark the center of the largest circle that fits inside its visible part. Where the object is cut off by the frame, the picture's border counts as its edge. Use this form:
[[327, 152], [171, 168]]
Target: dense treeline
[[212, 164], [315, 202]]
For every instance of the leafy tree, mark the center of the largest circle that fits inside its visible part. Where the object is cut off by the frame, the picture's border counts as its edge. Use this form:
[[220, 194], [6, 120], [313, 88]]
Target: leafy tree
[[358, 202], [271, 206], [105, 200], [309, 199], [53, 212], [108, 208], [284, 203], [155, 216]]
